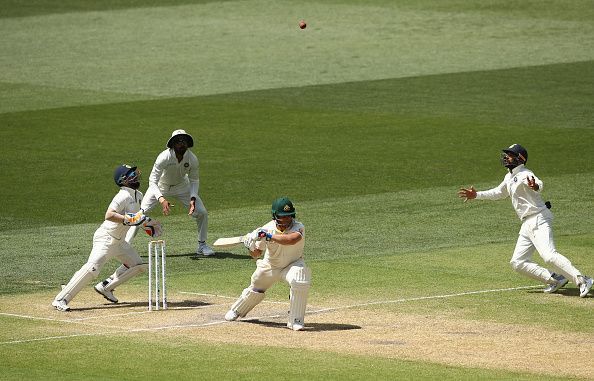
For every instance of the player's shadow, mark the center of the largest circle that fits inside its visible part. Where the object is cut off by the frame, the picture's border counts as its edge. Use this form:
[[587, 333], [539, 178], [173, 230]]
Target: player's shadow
[[198, 257], [311, 327], [218, 255], [174, 255], [564, 292], [111, 306]]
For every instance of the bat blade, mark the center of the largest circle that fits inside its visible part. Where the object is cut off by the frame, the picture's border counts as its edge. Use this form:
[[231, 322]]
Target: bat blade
[[227, 242]]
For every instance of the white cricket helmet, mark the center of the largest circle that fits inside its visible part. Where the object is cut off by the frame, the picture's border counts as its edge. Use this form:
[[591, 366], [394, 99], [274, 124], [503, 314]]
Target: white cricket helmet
[[180, 134]]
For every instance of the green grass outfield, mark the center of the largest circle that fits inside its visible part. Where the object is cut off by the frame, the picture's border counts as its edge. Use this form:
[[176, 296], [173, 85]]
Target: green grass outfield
[[370, 119]]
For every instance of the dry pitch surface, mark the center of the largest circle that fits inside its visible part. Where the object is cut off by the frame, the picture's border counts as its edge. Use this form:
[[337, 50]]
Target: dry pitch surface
[[361, 329]]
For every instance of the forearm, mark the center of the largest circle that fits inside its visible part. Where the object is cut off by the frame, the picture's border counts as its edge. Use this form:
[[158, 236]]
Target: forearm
[[194, 186], [286, 239], [113, 216]]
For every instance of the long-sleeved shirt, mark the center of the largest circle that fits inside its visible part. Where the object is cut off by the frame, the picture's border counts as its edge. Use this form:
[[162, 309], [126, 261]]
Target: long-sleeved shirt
[[525, 200], [167, 172]]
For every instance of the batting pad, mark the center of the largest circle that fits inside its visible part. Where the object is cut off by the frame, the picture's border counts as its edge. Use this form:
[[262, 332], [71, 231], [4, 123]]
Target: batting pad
[[79, 280], [123, 274], [247, 301], [299, 290]]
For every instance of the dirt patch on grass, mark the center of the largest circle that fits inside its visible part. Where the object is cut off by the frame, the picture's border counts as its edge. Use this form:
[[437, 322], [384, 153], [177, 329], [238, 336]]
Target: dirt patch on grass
[[438, 339]]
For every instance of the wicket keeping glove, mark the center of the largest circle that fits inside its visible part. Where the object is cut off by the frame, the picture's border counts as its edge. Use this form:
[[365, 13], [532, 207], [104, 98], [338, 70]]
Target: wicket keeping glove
[[152, 227], [134, 219]]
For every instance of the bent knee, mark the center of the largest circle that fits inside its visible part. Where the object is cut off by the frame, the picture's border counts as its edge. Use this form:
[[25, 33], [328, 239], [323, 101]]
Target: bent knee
[[517, 265]]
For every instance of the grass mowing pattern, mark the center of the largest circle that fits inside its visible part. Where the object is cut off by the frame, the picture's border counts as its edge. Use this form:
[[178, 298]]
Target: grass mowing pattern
[[377, 112]]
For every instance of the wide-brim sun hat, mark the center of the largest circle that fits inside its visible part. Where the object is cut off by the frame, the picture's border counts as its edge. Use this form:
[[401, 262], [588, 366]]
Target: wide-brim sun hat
[[177, 133]]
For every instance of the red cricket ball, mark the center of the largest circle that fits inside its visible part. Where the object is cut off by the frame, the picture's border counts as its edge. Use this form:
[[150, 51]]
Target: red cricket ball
[[302, 24]]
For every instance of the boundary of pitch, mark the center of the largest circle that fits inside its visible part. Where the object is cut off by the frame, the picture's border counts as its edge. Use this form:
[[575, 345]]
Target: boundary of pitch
[[118, 330]]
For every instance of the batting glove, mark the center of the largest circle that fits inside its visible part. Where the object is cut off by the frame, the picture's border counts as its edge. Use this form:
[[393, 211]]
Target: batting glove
[[264, 234], [249, 242], [134, 219]]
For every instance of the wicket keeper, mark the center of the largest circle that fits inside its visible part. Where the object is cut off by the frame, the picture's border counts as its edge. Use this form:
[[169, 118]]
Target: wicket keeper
[[108, 241]]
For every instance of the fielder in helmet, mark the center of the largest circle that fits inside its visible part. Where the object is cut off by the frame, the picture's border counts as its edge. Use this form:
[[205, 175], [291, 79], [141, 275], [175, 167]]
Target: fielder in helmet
[[282, 241], [123, 211], [513, 156], [536, 233]]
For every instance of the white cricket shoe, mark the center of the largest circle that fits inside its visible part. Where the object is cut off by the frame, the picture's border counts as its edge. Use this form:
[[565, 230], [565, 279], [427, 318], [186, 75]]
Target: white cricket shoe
[[100, 288], [204, 249], [231, 315], [296, 326], [61, 305], [554, 287], [585, 286]]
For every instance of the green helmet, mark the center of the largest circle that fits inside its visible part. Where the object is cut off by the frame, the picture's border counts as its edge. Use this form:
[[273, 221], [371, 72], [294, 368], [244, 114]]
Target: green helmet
[[282, 207]]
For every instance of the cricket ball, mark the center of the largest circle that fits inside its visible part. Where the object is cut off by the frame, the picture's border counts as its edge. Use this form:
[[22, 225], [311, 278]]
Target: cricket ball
[[302, 24]]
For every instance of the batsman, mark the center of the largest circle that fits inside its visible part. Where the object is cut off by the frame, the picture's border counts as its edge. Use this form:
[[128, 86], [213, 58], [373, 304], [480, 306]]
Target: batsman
[[282, 240]]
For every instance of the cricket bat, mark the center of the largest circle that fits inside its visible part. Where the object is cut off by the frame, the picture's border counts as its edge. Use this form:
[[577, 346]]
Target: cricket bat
[[227, 242]]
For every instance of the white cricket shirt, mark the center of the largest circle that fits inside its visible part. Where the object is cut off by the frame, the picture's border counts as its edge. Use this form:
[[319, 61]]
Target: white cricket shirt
[[167, 172], [280, 256], [525, 200], [127, 200]]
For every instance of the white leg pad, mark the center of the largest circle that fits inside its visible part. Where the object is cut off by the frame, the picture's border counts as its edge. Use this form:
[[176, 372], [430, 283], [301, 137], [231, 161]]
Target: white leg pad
[[299, 291], [247, 301], [123, 274], [79, 280]]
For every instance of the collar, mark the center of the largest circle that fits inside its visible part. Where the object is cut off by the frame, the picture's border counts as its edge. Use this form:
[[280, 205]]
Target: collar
[[132, 192], [517, 169]]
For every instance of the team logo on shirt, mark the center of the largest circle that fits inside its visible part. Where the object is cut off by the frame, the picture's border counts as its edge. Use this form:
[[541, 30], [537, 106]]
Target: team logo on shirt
[[186, 165], [515, 179]]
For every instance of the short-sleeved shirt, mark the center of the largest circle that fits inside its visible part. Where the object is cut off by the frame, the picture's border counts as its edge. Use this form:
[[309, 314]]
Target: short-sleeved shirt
[[127, 200], [280, 256]]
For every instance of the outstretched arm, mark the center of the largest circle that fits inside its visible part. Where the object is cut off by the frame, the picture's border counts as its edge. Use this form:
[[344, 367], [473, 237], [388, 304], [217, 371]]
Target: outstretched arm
[[467, 193]]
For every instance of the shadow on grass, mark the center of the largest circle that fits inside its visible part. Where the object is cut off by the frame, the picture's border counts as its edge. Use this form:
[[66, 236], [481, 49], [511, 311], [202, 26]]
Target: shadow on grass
[[196, 257], [218, 255], [170, 305], [573, 291], [310, 327]]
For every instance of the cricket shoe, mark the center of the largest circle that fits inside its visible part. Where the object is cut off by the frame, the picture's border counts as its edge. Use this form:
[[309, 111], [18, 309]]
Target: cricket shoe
[[231, 315], [100, 288], [61, 305], [560, 281], [585, 286], [296, 326], [204, 249]]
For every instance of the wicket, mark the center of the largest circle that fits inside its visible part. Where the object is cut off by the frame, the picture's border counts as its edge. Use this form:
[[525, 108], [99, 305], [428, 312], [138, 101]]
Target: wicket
[[156, 249]]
